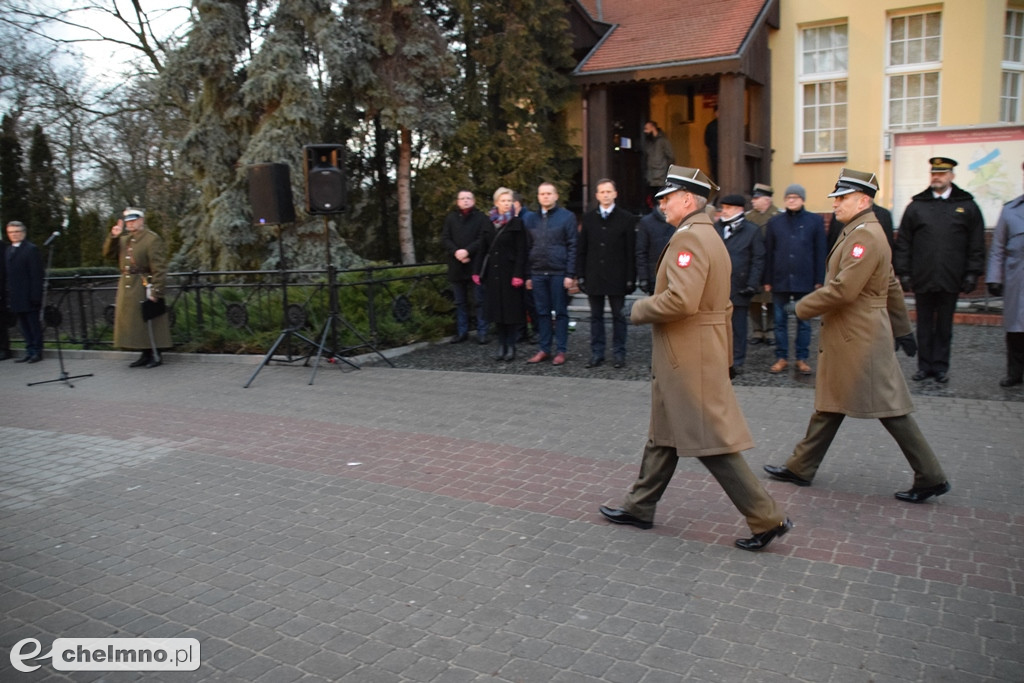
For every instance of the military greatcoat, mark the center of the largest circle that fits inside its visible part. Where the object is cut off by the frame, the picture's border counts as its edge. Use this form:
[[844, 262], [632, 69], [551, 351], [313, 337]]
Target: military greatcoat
[[693, 406], [142, 259], [862, 308]]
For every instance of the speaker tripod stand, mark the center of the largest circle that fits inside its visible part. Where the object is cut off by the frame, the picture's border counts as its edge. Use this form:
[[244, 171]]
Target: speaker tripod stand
[[290, 328], [335, 318], [51, 317]]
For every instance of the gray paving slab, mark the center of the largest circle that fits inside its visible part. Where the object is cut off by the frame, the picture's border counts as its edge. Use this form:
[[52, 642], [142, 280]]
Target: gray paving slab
[[414, 525]]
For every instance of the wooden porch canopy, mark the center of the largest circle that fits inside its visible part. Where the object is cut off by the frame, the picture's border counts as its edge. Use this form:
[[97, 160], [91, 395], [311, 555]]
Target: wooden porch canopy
[[622, 44]]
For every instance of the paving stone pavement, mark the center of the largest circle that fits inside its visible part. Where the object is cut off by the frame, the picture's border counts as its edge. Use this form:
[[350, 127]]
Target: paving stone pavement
[[397, 524]]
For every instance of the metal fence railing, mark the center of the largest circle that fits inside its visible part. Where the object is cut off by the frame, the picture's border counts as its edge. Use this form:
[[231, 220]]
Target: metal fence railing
[[82, 307]]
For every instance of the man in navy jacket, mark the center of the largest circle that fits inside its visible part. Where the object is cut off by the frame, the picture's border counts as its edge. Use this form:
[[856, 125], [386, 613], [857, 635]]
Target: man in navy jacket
[[552, 233], [794, 265]]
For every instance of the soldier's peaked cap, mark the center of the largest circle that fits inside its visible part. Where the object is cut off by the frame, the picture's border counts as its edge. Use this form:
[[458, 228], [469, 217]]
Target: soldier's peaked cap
[[942, 164], [855, 181], [689, 179]]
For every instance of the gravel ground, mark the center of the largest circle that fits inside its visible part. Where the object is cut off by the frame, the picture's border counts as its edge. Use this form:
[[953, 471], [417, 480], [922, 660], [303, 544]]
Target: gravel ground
[[978, 362]]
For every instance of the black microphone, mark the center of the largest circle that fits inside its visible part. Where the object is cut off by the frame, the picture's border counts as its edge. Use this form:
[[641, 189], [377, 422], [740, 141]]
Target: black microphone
[[55, 235]]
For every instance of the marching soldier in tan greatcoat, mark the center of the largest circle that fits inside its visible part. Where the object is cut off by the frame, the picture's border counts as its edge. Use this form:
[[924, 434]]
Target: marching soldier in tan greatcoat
[[862, 311], [694, 412], [142, 259]]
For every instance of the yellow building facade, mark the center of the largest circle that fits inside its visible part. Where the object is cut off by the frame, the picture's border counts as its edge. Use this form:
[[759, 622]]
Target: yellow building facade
[[846, 76]]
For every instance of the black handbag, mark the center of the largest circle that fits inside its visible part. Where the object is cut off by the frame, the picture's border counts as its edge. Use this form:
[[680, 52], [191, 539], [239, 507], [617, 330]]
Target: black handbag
[[153, 309]]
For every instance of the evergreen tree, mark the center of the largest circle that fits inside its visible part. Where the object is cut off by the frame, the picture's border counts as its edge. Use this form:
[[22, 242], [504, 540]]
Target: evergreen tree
[[44, 202], [400, 68], [219, 127], [515, 58], [13, 205]]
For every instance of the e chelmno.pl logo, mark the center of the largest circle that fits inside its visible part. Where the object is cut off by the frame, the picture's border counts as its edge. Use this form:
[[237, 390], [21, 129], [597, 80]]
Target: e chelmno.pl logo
[[109, 654]]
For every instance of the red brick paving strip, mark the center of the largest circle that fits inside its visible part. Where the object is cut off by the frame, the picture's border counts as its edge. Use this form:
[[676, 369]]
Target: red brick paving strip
[[963, 546]]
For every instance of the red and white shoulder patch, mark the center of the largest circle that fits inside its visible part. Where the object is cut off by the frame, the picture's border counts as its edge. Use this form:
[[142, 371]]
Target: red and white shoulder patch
[[684, 259], [857, 251]]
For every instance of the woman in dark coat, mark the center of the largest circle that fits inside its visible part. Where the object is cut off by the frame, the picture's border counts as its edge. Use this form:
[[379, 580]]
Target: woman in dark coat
[[500, 265]]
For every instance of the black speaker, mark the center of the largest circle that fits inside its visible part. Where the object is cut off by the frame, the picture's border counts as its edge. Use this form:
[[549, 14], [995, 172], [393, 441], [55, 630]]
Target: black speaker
[[270, 194], [325, 178]]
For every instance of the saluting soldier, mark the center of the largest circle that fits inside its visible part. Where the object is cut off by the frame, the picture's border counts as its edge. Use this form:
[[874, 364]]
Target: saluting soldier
[[142, 259], [862, 311]]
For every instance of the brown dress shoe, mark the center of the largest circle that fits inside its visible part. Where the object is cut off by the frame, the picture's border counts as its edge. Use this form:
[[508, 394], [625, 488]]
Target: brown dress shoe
[[780, 365], [538, 357], [559, 359], [803, 367]]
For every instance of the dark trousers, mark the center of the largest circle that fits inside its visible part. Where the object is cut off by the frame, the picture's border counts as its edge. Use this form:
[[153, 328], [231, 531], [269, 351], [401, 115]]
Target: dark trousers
[[803, 328], [934, 330], [549, 295], [739, 335], [809, 453], [730, 470], [32, 330], [762, 327], [598, 342], [5, 337], [1015, 355], [461, 292], [507, 335]]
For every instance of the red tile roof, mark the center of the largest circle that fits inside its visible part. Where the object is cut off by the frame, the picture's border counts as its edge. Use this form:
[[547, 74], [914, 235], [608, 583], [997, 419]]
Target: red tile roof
[[651, 33]]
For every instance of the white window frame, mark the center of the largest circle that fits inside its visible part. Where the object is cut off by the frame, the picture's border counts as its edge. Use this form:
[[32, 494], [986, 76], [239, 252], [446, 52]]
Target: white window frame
[[1011, 93], [913, 74], [831, 119]]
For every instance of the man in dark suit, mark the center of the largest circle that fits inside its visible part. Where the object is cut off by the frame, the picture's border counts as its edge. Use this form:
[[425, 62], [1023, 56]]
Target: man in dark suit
[[606, 266], [460, 237], [25, 289], [745, 245], [5, 338]]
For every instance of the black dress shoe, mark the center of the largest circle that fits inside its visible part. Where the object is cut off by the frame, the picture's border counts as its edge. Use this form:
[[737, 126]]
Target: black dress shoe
[[941, 377], [1010, 381], [141, 360], [34, 359], [755, 341], [510, 354], [594, 362], [785, 475], [482, 339], [620, 516], [919, 495], [155, 362], [24, 359], [459, 338], [761, 540], [619, 363], [920, 375]]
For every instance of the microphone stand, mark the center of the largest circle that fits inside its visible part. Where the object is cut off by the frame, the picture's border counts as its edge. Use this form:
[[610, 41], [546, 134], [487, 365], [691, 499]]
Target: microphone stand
[[53, 317]]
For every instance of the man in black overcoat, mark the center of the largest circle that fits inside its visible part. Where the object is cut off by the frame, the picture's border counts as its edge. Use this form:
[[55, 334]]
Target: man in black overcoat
[[25, 289], [460, 238], [606, 269], [745, 245]]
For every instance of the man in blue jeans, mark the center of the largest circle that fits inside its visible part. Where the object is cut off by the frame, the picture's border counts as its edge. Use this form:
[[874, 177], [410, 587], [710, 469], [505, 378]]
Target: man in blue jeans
[[552, 261], [794, 265]]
